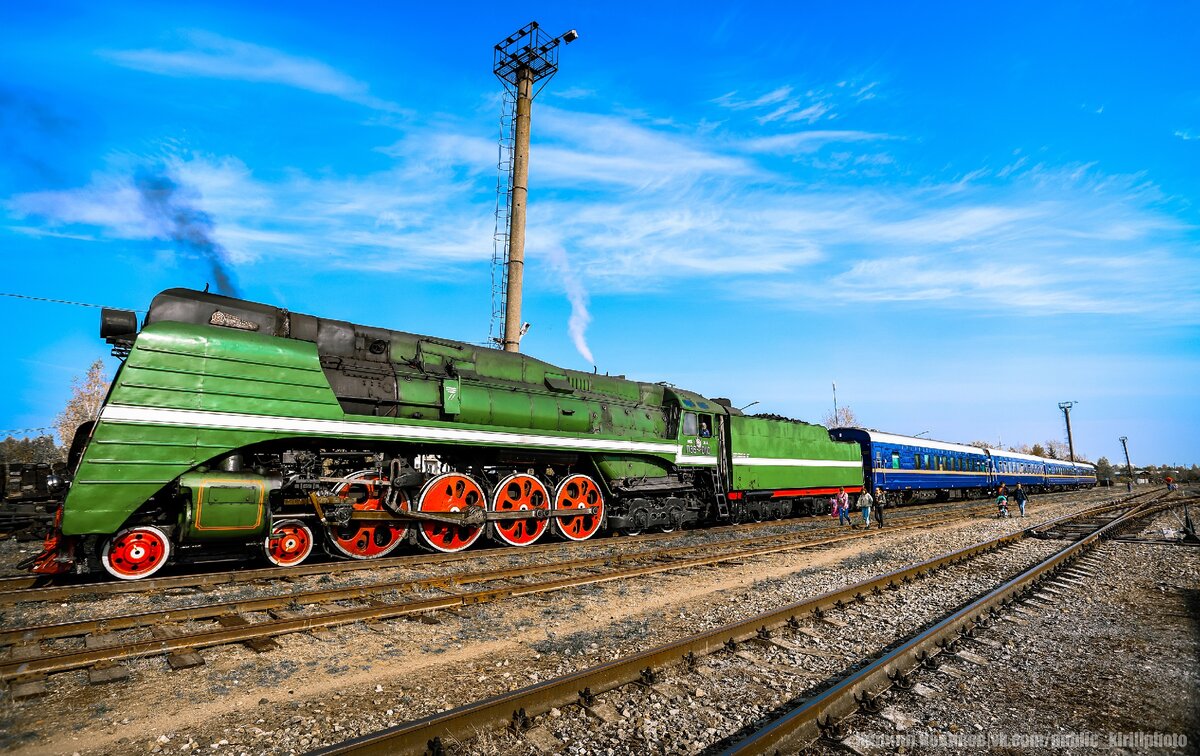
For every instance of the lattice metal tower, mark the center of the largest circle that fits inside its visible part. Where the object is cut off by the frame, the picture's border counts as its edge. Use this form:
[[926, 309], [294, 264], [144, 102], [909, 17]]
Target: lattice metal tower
[[520, 61]]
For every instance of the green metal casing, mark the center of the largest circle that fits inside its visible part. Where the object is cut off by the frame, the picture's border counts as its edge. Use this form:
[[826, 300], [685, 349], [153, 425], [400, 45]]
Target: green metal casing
[[782, 455], [223, 505]]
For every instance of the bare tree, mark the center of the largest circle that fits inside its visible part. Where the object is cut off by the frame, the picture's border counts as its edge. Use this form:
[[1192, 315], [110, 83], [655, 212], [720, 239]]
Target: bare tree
[[843, 418], [87, 396], [40, 449]]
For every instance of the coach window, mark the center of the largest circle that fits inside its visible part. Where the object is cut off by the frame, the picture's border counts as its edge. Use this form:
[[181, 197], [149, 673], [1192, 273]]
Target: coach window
[[690, 426], [925, 457], [895, 460]]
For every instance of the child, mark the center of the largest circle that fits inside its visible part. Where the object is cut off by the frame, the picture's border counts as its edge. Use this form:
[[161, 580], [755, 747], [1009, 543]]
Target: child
[[1002, 505]]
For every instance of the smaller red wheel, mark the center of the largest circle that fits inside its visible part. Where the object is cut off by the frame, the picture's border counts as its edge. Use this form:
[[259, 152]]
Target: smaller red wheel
[[519, 492], [449, 492], [136, 553], [289, 543], [578, 492]]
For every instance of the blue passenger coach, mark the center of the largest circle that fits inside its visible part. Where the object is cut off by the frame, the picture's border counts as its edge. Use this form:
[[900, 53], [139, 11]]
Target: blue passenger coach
[[906, 464]]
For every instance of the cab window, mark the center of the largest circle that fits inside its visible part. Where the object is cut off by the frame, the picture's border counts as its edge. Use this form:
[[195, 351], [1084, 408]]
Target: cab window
[[691, 426]]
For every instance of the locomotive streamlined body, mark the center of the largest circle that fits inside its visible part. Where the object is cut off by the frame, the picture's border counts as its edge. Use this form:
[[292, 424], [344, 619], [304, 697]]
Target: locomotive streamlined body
[[234, 427], [908, 466]]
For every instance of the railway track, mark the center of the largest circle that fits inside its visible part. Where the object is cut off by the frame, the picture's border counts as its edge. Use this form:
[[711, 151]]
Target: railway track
[[586, 687], [40, 588], [378, 601], [25, 588]]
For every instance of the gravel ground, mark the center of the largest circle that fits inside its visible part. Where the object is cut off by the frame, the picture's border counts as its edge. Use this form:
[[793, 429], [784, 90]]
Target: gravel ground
[[319, 689], [1111, 665], [690, 711]]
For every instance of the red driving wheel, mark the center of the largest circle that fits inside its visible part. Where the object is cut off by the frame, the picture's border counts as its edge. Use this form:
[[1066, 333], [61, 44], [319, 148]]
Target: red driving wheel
[[449, 492], [578, 492], [369, 540], [519, 492]]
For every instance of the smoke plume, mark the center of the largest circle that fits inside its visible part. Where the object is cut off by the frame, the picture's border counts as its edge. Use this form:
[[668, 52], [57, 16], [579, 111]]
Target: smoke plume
[[187, 226], [577, 295]]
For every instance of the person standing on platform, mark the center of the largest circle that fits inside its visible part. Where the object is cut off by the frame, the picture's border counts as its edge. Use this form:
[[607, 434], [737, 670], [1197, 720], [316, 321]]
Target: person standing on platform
[[1021, 498], [880, 503], [865, 502]]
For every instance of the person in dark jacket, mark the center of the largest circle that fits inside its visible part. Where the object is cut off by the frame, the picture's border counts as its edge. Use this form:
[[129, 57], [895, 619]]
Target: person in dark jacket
[[880, 503], [1021, 498]]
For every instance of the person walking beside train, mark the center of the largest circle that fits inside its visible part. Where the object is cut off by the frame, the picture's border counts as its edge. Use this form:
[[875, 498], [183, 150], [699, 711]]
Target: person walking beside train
[[880, 503], [1021, 497], [842, 503], [865, 502]]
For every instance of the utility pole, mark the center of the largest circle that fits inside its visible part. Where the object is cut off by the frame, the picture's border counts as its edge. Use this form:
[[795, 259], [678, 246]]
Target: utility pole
[[520, 61], [835, 415], [1128, 466], [1066, 410]]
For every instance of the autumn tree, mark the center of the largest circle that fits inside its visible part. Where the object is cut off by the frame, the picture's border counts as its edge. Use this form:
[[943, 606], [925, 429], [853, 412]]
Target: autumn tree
[[1104, 469], [843, 417], [87, 396]]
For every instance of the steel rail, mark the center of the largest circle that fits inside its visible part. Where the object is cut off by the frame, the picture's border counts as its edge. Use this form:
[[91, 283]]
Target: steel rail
[[861, 689], [34, 666], [24, 589]]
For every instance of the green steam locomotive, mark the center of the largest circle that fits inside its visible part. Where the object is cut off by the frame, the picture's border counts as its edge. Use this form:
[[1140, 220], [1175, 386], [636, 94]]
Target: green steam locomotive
[[235, 429]]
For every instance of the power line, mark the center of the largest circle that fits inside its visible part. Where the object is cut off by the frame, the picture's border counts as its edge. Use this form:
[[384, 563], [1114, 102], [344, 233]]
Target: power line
[[59, 301], [11, 431]]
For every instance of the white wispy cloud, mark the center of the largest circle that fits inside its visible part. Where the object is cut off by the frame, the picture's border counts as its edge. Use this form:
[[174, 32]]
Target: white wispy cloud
[[638, 206], [807, 141], [213, 56], [1187, 135]]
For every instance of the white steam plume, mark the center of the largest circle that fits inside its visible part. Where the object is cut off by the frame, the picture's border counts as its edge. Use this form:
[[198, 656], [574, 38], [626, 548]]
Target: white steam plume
[[577, 295]]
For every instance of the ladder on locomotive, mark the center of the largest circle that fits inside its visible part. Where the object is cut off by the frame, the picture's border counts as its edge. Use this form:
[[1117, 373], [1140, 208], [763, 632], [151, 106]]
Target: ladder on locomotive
[[721, 483]]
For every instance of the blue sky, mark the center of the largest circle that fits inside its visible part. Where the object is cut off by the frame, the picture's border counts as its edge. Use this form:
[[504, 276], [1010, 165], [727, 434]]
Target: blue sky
[[963, 213]]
